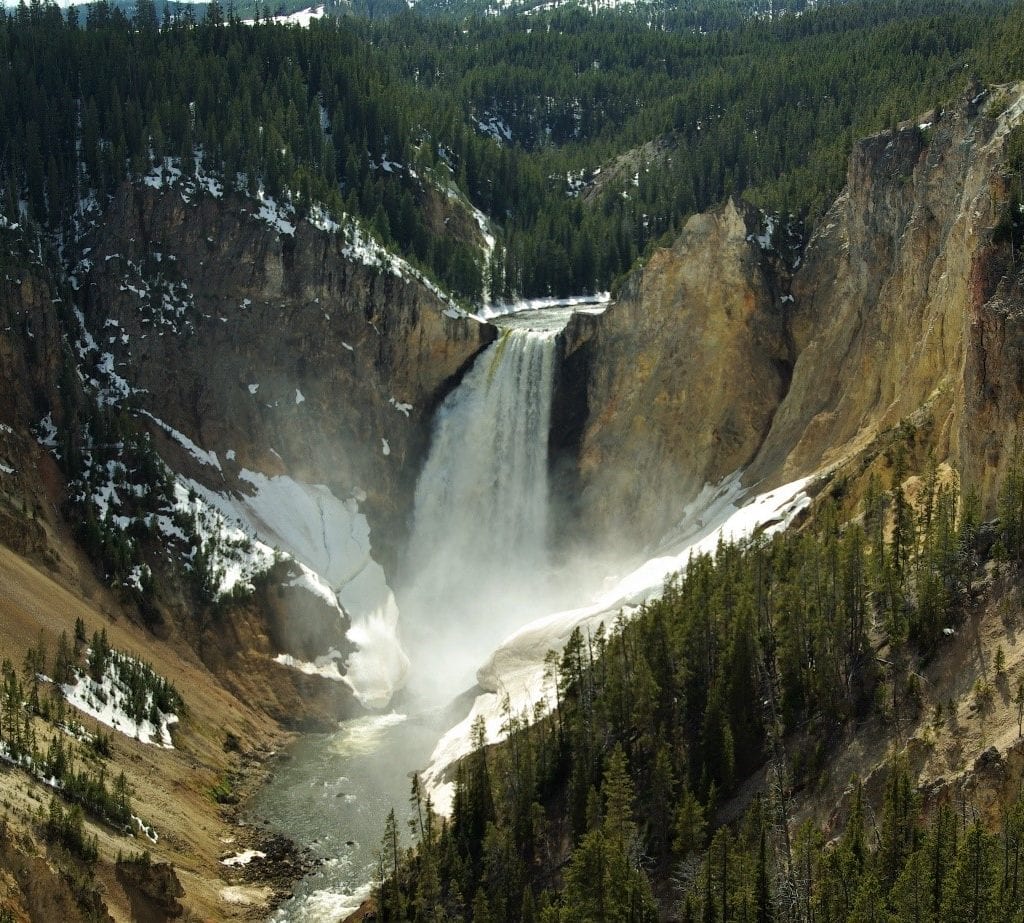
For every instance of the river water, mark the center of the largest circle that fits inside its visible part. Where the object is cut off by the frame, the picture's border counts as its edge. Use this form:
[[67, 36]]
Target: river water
[[332, 793]]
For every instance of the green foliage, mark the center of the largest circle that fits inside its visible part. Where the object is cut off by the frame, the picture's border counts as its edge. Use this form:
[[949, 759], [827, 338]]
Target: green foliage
[[659, 721], [77, 772], [67, 828], [106, 449], [605, 881], [223, 792], [381, 119], [918, 867]]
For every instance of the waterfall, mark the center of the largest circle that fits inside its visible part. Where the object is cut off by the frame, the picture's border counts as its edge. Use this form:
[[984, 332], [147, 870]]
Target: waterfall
[[478, 555]]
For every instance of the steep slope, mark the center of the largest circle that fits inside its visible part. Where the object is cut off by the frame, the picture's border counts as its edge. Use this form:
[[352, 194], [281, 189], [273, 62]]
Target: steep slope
[[286, 369], [293, 348], [32, 360], [720, 357], [902, 324], [213, 404], [892, 320], [685, 372], [171, 788]]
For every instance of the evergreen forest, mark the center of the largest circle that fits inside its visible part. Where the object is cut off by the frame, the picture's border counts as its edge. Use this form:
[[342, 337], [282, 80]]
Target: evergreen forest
[[622, 798], [585, 139]]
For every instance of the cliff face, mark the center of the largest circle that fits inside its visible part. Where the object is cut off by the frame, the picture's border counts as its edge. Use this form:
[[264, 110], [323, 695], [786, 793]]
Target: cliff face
[[891, 301], [288, 373], [34, 367], [280, 352], [902, 311], [993, 392], [685, 372]]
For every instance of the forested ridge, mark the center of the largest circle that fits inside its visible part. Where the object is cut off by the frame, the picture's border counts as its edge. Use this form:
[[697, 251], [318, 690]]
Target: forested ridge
[[379, 119], [757, 658]]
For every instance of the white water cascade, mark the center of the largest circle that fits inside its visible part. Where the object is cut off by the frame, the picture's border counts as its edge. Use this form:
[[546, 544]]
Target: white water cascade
[[478, 555]]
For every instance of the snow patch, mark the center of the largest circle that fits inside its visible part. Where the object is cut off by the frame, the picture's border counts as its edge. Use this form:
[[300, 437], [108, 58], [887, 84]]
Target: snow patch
[[495, 127], [275, 215], [235, 557], [589, 303], [325, 666], [200, 455], [140, 828], [400, 406], [243, 858], [330, 538], [363, 248], [322, 221], [301, 18], [107, 702], [46, 432], [764, 239]]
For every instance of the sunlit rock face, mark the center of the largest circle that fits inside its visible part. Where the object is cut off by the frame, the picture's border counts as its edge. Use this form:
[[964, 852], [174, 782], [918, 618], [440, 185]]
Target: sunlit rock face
[[685, 371], [720, 355]]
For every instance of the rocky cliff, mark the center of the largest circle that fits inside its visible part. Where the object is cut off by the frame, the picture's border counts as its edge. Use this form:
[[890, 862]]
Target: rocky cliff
[[280, 346], [893, 312], [685, 373], [33, 363], [286, 371], [902, 311]]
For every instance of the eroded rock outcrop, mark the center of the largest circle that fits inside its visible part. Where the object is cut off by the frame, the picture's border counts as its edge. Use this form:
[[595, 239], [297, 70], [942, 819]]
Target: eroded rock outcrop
[[281, 352], [39, 390], [889, 303], [288, 372], [685, 373]]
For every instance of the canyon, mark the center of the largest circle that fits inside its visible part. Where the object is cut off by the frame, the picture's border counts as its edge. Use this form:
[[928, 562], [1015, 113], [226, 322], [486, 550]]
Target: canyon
[[305, 392]]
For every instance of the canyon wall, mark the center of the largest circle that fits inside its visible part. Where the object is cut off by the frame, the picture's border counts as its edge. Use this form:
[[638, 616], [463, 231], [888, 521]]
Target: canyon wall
[[311, 353], [719, 355]]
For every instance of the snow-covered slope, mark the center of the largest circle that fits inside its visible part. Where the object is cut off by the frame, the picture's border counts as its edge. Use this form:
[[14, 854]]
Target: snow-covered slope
[[330, 539], [298, 18], [109, 702]]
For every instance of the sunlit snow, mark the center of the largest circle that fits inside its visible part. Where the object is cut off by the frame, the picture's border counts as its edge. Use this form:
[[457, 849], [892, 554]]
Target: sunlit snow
[[106, 702]]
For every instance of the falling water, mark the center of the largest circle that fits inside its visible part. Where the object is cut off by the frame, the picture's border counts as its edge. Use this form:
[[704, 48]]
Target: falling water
[[478, 558], [478, 567]]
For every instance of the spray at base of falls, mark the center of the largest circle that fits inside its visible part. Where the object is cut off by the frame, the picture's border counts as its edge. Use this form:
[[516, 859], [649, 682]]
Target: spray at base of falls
[[478, 558]]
